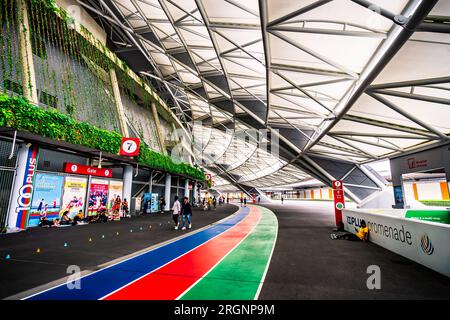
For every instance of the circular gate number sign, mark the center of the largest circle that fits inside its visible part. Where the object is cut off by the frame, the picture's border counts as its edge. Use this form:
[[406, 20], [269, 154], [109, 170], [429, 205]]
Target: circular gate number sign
[[129, 147]]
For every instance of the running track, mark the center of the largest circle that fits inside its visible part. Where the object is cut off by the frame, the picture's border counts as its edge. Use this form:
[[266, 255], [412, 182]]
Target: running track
[[227, 260]]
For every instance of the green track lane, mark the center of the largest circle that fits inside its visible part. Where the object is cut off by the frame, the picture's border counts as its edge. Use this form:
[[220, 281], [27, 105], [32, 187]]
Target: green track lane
[[238, 276]]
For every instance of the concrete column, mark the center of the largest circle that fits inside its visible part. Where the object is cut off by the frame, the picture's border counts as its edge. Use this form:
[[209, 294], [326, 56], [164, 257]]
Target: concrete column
[[158, 129], [22, 191], [28, 72], [194, 191], [186, 188], [127, 182], [118, 101], [167, 191]]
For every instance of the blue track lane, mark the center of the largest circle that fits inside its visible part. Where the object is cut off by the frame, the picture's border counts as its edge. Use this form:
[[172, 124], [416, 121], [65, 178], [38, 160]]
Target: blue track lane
[[98, 284]]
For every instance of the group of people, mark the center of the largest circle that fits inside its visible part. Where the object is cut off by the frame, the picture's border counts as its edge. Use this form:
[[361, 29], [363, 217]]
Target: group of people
[[101, 215], [181, 213]]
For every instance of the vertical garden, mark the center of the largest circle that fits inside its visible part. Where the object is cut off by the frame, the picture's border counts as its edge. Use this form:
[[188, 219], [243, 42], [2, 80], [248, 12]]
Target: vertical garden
[[72, 78]]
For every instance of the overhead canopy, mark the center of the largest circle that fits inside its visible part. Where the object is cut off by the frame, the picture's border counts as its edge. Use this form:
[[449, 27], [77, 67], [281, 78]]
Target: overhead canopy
[[354, 81]]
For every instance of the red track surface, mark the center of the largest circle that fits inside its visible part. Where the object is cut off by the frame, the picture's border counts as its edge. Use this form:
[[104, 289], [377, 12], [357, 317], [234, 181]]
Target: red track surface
[[171, 280]]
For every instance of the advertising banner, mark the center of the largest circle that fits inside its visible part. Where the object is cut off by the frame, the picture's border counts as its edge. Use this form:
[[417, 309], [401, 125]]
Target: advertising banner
[[115, 190], [421, 241], [74, 195], [22, 190], [98, 196], [46, 197]]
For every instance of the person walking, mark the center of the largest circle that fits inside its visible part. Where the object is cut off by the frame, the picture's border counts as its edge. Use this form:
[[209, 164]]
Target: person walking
[[242, 200], [186, 212], [282, 200], [259, 200], [176, 210], [162, 204], [245, 201]]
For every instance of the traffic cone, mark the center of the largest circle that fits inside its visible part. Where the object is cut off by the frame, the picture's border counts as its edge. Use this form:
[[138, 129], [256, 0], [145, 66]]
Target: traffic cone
[[65, 244], [8, 257], [103, 236], [90, 239], [131, 230], [117, 233], [38, 250]]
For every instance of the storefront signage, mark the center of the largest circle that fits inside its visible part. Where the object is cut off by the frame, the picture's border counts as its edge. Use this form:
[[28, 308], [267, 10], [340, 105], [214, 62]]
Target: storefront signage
[[87, 170], [414, 163], [130, 147]]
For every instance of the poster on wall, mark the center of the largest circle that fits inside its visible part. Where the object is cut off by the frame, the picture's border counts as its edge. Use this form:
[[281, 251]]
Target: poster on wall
[[74, 195], [98, 196], [46, 198], [115, 190]]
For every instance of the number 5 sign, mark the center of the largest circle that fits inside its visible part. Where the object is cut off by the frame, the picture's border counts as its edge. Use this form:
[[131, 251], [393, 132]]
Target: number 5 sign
[[130, 147]]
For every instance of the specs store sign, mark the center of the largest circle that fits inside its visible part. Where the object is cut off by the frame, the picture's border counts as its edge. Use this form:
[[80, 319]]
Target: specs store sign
[[75, 168]]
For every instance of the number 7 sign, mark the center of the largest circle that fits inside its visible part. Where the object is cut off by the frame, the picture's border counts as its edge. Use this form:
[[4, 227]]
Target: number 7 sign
[[130, 147]]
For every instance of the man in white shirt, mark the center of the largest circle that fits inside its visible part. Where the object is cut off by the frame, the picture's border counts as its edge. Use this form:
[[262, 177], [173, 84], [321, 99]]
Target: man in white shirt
[[176, 210]]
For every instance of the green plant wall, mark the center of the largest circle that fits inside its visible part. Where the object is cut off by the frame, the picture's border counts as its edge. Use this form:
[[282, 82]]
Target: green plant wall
[[18, 113]]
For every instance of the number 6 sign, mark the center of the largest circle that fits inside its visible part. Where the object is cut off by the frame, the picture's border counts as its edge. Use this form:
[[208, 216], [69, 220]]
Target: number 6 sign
[[129, 147]]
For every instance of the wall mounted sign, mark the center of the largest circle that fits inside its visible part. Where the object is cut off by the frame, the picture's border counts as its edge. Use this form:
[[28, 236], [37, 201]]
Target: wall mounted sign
[[130, 147]]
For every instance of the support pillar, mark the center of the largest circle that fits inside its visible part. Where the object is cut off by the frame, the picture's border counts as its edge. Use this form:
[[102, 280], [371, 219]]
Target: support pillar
[[22, 191], [167, 188], [26, 54], [127, 182], [118, 101], [186, 188], [158, 129]]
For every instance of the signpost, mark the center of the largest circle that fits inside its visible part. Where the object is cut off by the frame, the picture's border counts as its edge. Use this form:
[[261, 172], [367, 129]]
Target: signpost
[[339, 202]]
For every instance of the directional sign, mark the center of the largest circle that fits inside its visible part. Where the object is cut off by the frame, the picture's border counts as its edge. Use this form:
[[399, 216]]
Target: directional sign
[[339, 201]]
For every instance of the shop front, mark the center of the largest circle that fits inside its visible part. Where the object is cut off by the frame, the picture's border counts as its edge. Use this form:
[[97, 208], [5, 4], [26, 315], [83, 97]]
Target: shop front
[[63, 182]]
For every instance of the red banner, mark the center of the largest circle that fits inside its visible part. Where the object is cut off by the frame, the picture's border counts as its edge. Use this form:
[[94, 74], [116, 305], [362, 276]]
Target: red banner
[[339, 201], [87, 170]]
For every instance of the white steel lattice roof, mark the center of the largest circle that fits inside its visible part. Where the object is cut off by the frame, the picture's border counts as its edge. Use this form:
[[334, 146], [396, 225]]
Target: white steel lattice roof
[[307, 71]]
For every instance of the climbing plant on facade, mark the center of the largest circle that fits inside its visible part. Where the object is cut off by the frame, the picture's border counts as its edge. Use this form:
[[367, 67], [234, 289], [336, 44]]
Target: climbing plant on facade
[[18, 113]]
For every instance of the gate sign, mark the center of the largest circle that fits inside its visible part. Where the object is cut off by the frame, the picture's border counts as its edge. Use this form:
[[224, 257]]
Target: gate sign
[[339, 202], [76, 168], [130, 147]]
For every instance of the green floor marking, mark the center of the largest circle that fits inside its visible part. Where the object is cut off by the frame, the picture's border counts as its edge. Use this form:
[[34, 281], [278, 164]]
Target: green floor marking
[[239, 275]]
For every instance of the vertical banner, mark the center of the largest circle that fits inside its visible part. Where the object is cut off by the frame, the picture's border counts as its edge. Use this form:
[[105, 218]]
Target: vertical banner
[[46, 198], [74, 195], [339, 202], [98, 196], [22, 191]]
